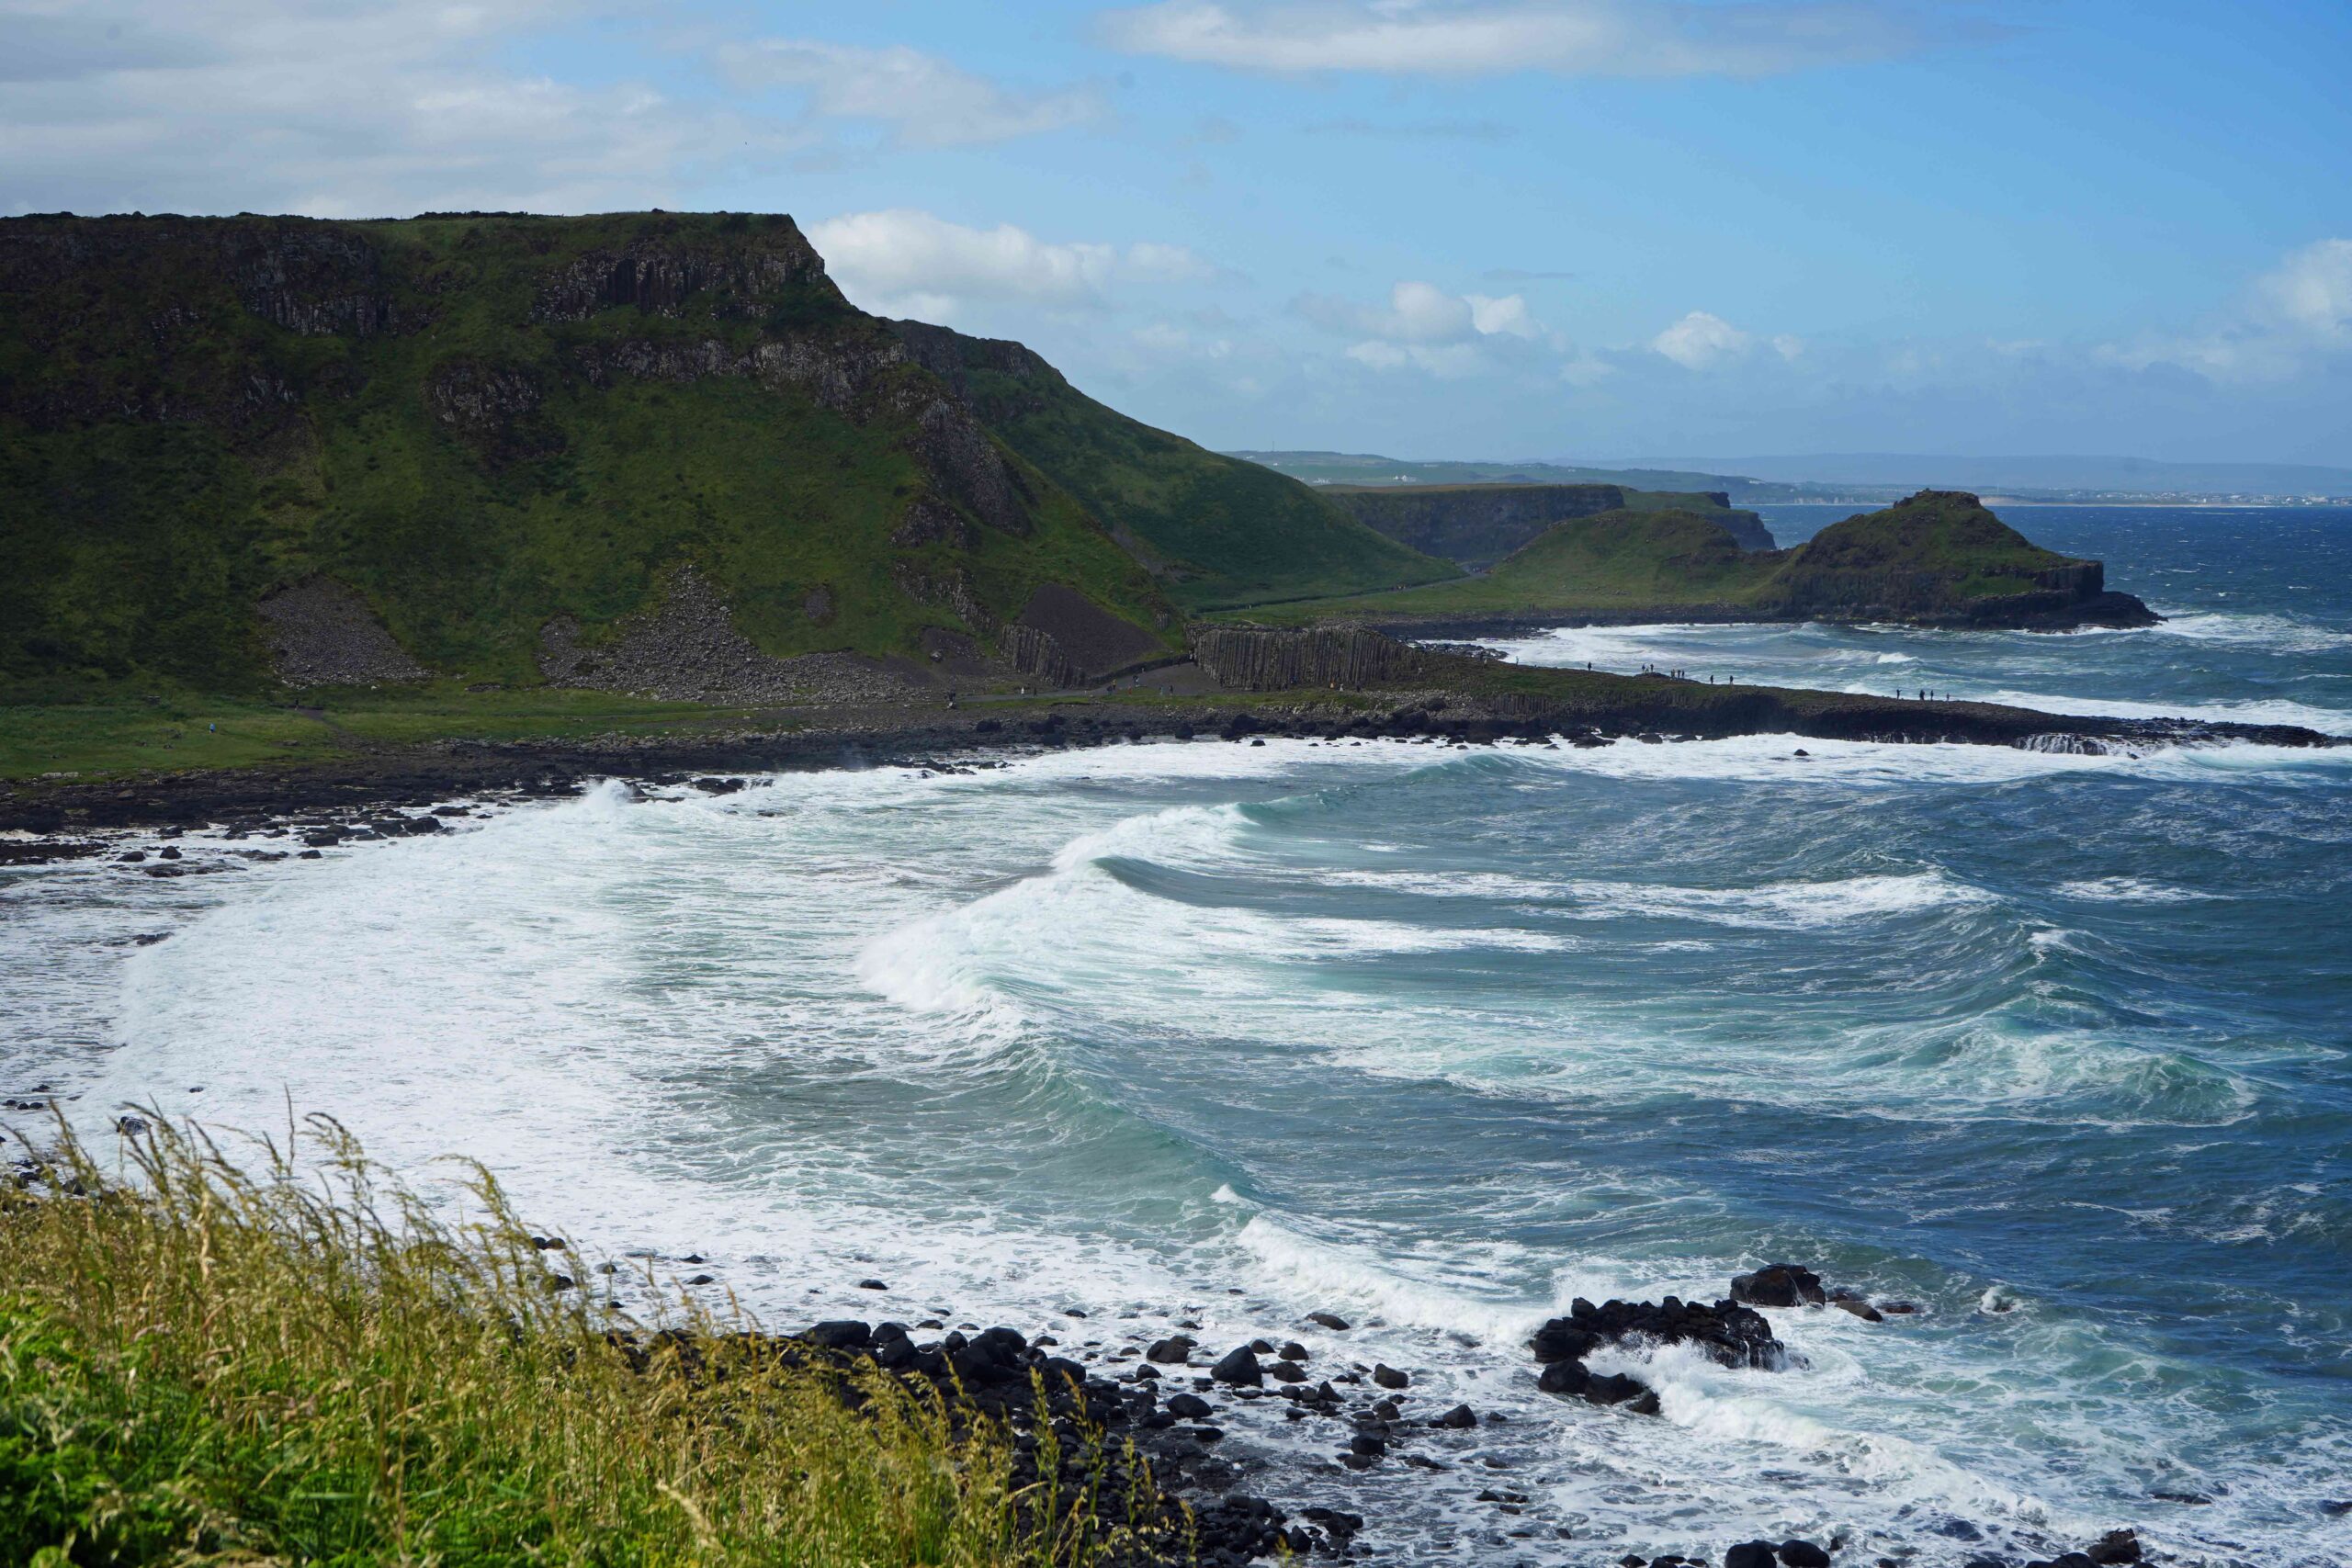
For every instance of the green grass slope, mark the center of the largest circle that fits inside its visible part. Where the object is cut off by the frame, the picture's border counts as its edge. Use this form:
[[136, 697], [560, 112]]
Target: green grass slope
[[483, 421], [1220, 532], [1618, 559], [1476, 525], [311, 1364], [1938, 558]]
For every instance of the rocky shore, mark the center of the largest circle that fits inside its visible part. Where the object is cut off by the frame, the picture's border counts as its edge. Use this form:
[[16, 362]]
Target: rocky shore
[[380, 794], [1195, 1414]]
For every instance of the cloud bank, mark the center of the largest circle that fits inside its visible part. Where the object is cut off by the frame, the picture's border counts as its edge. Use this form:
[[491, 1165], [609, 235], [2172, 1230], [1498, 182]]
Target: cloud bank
[[1468, 38], [902, 262], [925, 101]]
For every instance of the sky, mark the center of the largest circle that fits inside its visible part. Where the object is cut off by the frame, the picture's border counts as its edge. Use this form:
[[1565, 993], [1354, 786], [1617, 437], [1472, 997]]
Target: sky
[[1511, 228]]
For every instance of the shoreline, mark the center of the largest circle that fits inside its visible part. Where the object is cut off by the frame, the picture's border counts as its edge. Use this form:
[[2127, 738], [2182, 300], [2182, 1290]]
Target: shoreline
[[45, 819], [1216, 1414], [1243, 1482]]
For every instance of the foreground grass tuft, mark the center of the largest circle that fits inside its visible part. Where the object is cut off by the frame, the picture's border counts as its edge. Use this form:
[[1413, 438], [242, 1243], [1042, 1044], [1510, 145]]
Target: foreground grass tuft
[[201, 1365]]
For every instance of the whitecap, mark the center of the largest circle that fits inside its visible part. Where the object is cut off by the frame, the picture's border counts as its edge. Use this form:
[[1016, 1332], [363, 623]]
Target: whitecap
[[2130, 890]]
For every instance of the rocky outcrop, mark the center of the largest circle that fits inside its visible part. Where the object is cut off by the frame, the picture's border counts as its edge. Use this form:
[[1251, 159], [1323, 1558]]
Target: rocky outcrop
[[312, 279], [741, 274], [930, 521], [477, 399], [949, 588], [1476, 525], [687, 650], [954, 357], [966, 464], [1266, 658], [1039, 656], [321, 633], [1728, 1333]]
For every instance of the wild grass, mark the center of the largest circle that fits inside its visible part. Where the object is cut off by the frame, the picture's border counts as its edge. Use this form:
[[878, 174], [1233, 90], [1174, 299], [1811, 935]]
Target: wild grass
[[204, 1364]]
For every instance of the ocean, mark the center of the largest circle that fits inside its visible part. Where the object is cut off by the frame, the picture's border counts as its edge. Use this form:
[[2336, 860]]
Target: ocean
[[2057, 1047]]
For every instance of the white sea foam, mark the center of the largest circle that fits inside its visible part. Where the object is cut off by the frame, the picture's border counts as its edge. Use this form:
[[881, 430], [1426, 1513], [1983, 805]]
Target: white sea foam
[[741, 1025], [1784, 904], [2130, 890], [2284, 634]]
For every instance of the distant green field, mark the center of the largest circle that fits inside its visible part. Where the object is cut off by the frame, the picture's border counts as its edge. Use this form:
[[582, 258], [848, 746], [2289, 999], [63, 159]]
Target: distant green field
[[1371, 469]]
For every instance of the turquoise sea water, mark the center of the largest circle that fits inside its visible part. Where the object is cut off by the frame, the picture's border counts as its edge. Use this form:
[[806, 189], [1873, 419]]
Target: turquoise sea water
[[2054, 1045]]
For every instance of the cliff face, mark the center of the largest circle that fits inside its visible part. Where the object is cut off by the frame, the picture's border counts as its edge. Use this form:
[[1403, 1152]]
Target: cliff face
[[478, 425], [1477, 526], [1350, 658]]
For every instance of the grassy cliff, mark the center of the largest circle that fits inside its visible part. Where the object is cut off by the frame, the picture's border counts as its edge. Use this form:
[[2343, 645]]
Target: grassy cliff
[[1939, 558], [481, 424]]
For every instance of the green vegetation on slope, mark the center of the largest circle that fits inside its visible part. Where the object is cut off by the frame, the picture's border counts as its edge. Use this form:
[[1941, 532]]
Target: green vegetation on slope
[[1223, 532], [1940, 555], [1475, 526], [206, 1366], [483, 422]]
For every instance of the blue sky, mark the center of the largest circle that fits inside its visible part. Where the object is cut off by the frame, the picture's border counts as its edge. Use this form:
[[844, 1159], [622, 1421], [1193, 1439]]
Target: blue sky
[[1470, 227]]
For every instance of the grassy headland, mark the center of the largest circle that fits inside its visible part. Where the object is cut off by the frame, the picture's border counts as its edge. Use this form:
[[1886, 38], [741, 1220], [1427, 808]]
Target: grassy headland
[[1939, 558], [482, 424], [201, 1365]]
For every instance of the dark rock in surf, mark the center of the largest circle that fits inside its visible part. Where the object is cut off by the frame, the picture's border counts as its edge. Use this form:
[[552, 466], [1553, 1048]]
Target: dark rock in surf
[[1460, 1418], [1175, 1351], [1780, 1285], [1239, 1368], [1387, 1376], [1330, 1320], [1802, 1554], [1751, 1554], [1728, 1333]]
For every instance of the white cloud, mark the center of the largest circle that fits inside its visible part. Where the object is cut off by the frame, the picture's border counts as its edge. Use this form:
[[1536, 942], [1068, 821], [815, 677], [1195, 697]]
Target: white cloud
[[1506, 314], [1702, 340], [925, 100], [904, 261], [1422, 312], [1423, 327], [2311, 292], [2292, 317], [1580, 38], [332, 109]]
